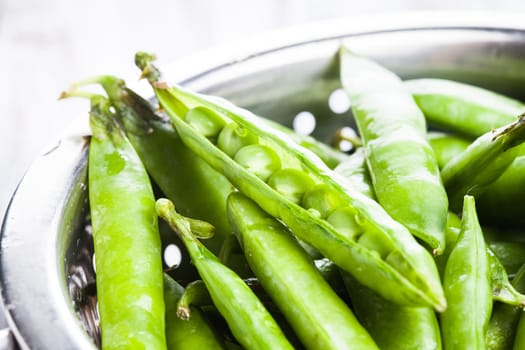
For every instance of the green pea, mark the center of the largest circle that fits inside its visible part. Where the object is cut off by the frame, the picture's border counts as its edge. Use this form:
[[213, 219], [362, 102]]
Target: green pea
[[259, 160], [343, 220], [206, 121], [234, 137], [323, 199], [291, 183], [370, 241]]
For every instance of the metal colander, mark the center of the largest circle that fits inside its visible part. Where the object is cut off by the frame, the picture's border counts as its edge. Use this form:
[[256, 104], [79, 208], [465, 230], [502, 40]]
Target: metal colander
[[46, 247]]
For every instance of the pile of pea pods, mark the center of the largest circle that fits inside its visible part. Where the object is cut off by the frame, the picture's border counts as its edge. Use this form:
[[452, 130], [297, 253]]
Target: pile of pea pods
[[410, 241]]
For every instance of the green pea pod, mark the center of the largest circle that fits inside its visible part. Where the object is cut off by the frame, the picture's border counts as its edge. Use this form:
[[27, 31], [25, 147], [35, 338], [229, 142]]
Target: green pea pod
[[467, 286], [380, 252], [402, 165], [126, 239], [463, 108], [391, 325], [473, 170], [504, 319], [319, 317], [194, 333], [182, 177], [473, 111], [356, 173], [500, 203], [248, 319], [502, 289], [446, 146]]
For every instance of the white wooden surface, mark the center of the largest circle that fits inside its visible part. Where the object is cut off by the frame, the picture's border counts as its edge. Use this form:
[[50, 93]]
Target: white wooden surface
[[46, 45]]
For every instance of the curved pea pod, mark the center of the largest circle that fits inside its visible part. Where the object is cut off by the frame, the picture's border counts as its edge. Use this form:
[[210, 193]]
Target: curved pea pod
[[126, 239], [484, 161], [463, 108], [193, 333], [504, 319], [248, 319], [318, 316], [467, 286], [446, 146], [377, 250], [391, 325], [402, 165], [502, 202]]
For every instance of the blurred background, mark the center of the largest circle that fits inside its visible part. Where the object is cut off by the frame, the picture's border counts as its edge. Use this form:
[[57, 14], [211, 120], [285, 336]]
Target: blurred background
[[47, 45]]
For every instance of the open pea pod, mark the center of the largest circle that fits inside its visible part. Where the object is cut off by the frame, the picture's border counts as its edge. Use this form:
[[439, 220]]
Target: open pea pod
[[313, 201]]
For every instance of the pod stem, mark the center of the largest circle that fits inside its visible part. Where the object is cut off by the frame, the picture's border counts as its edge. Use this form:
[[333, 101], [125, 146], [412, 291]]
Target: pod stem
[[201, 229], [186, 228], [196, 293], [513, 134], [144, 60]]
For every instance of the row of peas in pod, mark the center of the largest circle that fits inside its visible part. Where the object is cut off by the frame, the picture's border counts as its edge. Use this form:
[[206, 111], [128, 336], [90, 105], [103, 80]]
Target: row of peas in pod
[[395, 246]]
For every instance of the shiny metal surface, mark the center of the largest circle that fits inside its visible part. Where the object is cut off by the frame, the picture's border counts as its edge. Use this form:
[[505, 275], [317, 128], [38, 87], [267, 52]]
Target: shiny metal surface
[[45, 252]]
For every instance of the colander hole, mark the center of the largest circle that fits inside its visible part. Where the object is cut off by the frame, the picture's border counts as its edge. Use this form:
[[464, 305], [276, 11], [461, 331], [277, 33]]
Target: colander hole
[[172, 256], [345, 146], [338, 101], [346, 136], [304, 123]]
